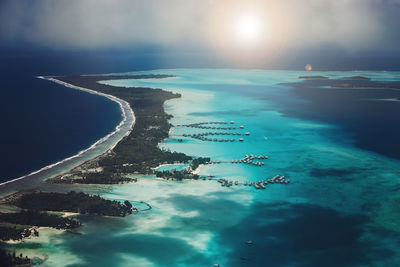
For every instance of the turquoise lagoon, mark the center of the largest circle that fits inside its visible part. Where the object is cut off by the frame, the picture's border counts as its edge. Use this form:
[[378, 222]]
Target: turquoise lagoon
[[340, 209]]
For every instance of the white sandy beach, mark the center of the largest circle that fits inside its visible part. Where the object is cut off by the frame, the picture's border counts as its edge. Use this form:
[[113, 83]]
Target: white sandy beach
[[126, 125]]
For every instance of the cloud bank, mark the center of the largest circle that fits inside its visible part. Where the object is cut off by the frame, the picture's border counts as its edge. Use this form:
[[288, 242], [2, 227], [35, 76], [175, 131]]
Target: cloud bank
[[353, 25]]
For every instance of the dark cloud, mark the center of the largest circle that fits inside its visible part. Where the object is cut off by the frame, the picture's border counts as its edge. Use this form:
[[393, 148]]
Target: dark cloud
[[329, 34], [104, 23]]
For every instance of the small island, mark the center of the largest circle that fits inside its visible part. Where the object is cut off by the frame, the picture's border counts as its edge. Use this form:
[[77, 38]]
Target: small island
[[8, 259], [357, 78], [31, 210], [365, 86], [313, 77]]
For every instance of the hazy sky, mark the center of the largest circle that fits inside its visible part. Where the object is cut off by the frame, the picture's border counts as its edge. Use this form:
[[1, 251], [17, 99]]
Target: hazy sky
[[284, 27]]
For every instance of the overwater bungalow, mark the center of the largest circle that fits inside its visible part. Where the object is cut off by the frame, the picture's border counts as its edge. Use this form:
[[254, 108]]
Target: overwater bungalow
[[241, 139], [247, 133], [241, 127]]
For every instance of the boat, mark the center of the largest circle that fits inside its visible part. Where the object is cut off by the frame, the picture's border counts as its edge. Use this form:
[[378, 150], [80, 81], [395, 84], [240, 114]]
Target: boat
[[249, 242]]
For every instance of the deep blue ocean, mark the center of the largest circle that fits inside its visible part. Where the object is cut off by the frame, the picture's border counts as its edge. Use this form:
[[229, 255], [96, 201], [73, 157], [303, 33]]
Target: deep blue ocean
[[43, 122]]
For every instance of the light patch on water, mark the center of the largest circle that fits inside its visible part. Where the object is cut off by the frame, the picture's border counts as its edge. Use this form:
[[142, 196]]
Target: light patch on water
[[335, 150], [311, 125], [130, 260]]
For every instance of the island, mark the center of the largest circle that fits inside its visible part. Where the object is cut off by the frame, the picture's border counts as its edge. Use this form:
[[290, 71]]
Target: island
[[313, 77], [138, 152], [8, 259], [357, 78], [366, 86], [30, 210]]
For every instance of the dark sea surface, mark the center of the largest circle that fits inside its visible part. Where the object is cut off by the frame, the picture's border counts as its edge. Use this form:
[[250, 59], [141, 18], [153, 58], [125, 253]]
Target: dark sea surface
[[43, 122], [365, 113]]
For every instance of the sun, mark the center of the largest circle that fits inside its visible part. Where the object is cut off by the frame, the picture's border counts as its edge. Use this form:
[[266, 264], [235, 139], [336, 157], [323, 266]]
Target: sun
[[248, 29]]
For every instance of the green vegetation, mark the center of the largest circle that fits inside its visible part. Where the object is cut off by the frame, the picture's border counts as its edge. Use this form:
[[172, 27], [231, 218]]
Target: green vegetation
[[184, 174], [11, 259], [37, 218], [139, 151], [104, 177], [197, 161], [177, 175], [35, 205], [14, 233], [73, 202]]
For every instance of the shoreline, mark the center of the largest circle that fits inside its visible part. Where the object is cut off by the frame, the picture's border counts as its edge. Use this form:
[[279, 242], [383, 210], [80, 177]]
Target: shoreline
[[122, 104], [168, 164]]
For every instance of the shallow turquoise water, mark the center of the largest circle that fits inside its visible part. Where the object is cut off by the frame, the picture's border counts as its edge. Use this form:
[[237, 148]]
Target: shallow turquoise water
[[169, 167], [340, 209]]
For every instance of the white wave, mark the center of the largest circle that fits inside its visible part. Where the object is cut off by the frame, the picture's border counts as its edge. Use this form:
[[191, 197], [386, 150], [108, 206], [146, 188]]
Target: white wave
[[121, 103]]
